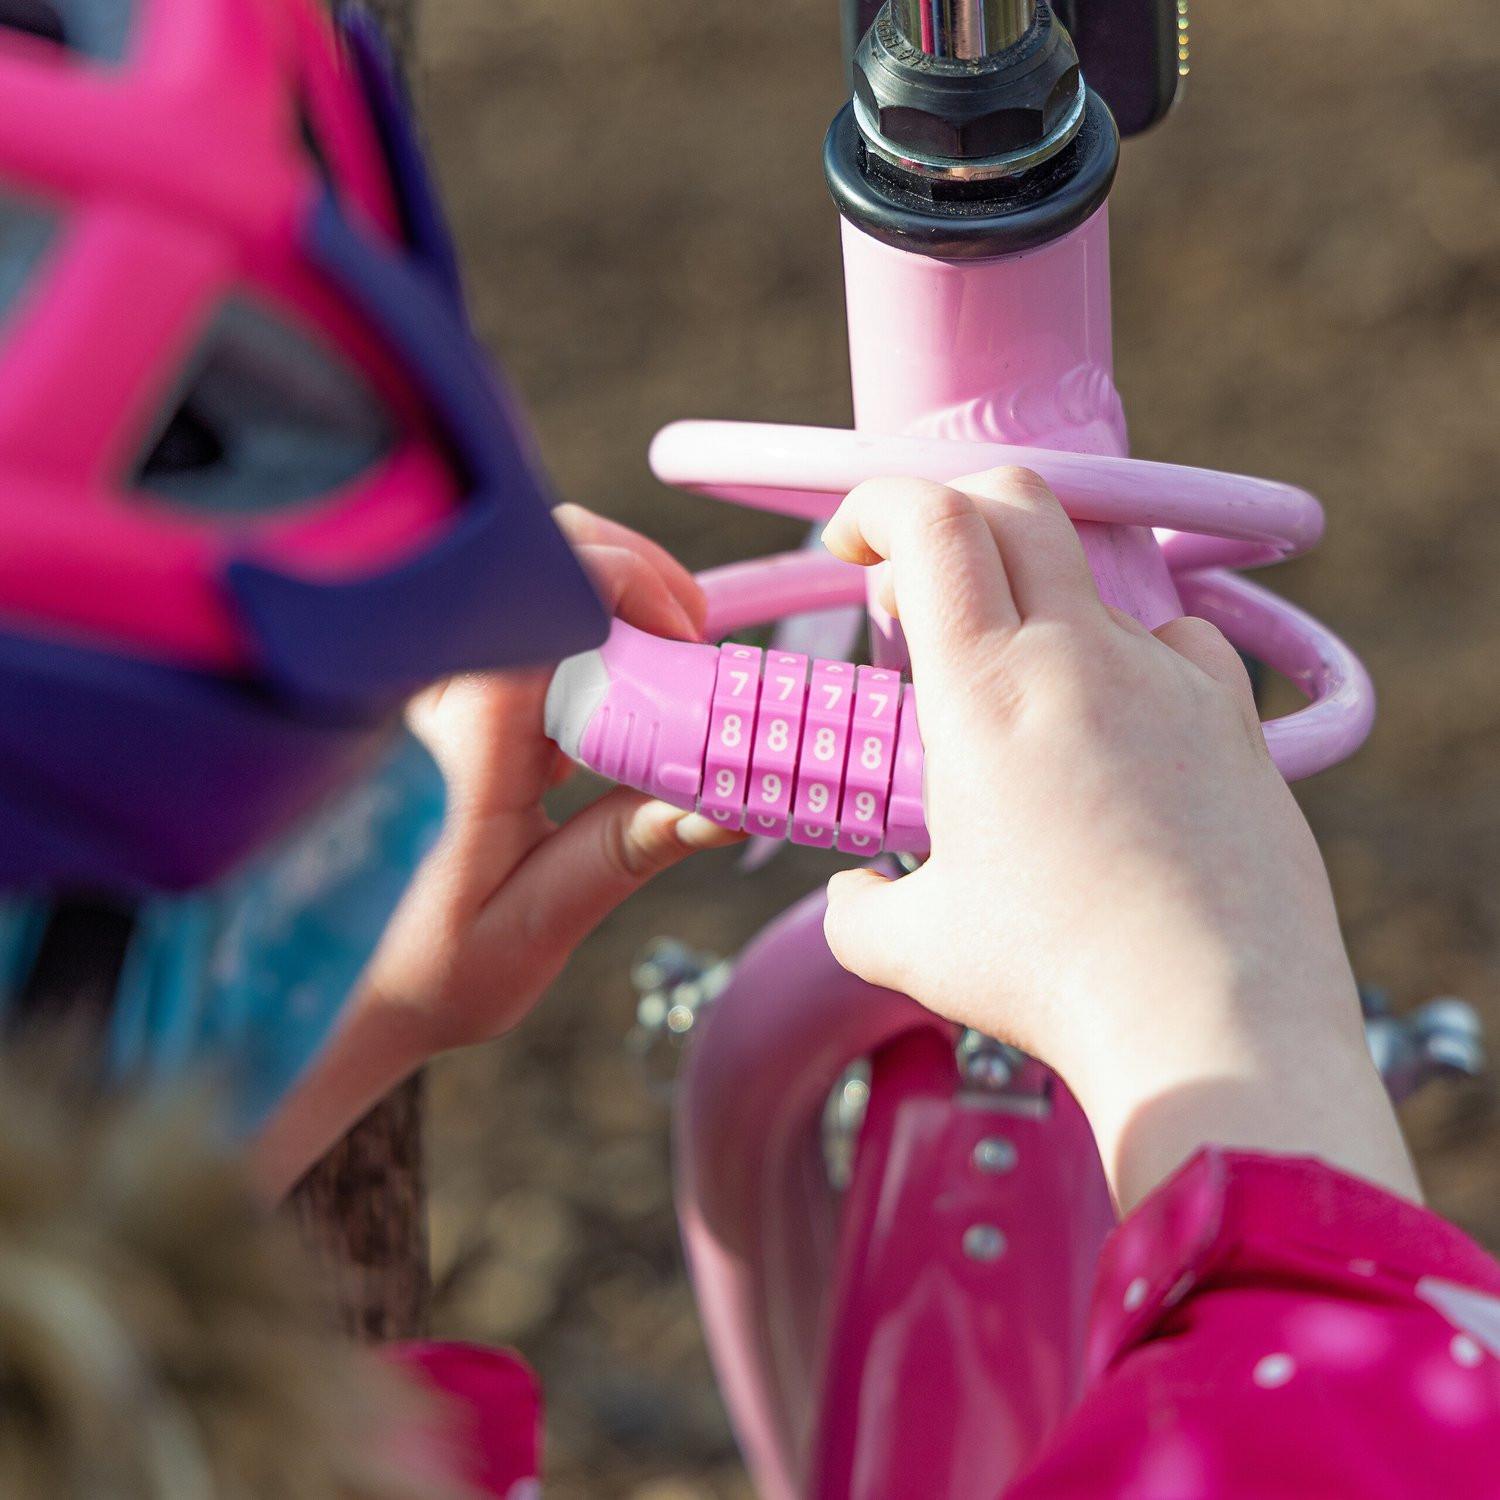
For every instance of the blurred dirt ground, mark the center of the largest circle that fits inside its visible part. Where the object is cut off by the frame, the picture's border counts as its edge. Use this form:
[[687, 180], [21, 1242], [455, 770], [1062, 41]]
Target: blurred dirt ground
[[1307, 264]]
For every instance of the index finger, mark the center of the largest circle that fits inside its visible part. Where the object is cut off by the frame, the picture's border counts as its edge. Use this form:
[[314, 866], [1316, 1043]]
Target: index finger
[[950, 585], [584, 527]]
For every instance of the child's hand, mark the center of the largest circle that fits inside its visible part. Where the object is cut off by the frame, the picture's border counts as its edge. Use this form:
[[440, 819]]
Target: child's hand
[[1120, 883], [500, 904]]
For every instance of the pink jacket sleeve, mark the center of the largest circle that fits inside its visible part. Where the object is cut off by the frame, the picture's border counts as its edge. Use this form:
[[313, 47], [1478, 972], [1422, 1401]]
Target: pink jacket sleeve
[[1268, 1327]]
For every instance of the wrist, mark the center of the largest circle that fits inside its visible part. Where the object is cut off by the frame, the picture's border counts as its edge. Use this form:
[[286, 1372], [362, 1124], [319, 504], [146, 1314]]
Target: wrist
[[375, 1049], [1310, 1091], [390, 1032]]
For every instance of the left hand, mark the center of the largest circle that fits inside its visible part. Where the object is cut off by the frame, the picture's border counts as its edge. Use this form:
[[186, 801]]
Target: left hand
[[501, 903]]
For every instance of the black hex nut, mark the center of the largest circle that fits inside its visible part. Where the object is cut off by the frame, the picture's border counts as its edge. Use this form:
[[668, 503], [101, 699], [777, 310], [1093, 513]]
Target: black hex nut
[[966, 110]]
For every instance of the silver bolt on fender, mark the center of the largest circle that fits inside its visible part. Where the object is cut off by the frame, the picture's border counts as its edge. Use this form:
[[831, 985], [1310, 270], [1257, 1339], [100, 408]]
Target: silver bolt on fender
[[984, 1242], [1443, 1039]]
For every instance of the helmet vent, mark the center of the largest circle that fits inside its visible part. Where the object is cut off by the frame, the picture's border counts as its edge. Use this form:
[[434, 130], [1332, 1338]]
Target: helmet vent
[[96, 29], [24, 235], [189, 445], [266, 419], [35, 18]]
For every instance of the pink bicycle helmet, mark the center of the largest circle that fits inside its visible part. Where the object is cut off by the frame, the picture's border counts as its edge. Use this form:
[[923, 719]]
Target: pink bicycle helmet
[[257, 482]]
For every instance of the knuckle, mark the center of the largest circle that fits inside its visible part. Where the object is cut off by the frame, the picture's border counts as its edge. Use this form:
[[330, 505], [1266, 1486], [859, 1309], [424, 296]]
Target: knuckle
[[938, 510], [1213, 642], [632, 847], [1021, 480], [938, 503], [1196, 628], [599, 557], [632, 572], [836, 912], [835, 933], [1016, 488], [1191, 627], [1015, 485]]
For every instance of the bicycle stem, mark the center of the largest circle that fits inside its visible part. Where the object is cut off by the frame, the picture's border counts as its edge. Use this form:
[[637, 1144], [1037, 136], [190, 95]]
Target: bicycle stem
[[977, 275], [1016, 350]]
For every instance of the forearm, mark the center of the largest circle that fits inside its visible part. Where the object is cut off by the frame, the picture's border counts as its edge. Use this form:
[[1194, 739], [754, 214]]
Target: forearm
[[1309, 1091], [374, 1050]]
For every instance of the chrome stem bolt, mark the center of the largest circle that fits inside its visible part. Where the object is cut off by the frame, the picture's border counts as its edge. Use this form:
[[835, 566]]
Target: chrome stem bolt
[[984, 1242], [995, 1156], [985, 1063]]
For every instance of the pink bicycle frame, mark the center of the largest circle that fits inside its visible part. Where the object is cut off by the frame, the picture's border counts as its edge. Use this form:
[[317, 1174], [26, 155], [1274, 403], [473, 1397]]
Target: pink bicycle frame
[[922, 1335]]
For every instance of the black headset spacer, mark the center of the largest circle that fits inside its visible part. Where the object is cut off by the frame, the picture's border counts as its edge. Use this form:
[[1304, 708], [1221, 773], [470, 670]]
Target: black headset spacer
[[976, 220]]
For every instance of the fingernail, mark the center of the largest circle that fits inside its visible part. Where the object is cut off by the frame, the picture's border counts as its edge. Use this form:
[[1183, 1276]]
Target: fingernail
[[687, 630], [694, 831]]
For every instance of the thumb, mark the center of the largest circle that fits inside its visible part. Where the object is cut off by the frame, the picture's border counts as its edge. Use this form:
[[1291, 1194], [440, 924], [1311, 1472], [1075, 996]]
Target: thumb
[[1206, 646], [868, 926], [574, 878]]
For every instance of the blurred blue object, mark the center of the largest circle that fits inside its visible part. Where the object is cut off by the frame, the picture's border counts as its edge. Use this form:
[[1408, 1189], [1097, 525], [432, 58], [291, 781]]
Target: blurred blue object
[[243, 982]]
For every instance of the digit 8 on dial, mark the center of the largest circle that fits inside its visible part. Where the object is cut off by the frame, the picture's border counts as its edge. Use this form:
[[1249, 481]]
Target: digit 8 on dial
[[731, 729], [872, 755]]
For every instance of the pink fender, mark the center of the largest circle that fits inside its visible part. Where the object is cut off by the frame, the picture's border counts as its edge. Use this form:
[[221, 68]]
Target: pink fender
[[867, 1351], [964, 1283]]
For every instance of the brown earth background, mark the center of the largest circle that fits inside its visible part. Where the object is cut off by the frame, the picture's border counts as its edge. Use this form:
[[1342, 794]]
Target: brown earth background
[[1307, 269]]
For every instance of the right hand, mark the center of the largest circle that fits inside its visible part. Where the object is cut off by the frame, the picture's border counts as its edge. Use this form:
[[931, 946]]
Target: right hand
[[1121, 883]]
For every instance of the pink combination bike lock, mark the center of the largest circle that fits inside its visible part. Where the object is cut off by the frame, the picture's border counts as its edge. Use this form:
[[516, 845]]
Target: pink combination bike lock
[[824, 753], [829, 753]]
